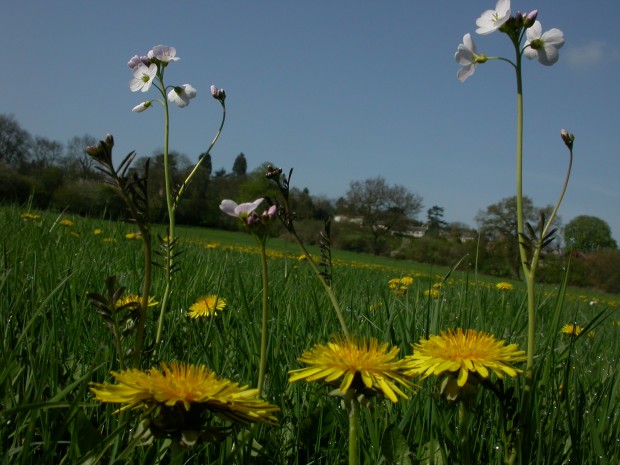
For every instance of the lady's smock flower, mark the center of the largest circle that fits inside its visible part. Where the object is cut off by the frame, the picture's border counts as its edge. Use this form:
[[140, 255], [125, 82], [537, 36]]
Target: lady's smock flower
[[543, 46], [143, 77], [467, 57], [181, 95], [491, 20], [163, 54]]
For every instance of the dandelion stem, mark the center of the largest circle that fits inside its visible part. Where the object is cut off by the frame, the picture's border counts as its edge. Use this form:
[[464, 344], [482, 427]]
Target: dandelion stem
[[464, 434], [353, 408], [264, 335]]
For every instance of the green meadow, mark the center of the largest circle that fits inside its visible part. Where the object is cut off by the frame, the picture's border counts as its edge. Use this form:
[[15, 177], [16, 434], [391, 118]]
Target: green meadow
[[54, 343]]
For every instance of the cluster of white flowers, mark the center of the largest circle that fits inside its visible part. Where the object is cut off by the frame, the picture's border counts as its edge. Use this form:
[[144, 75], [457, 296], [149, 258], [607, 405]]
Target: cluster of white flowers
[[147, 68], [543, 46]]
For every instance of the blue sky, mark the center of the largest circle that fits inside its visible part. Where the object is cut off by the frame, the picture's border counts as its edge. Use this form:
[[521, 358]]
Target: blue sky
[[340, 91]]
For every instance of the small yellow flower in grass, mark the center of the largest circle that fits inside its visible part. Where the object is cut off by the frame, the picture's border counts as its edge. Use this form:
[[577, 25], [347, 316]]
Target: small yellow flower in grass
[[362, 366], [30, 216], [109, 240], [461, 354], [406, 280], [206, 306], [212, 245], [572, 329], [97, 232], [432, 293], [503, 286], [180, 384], [133, 235], [67, 223], [134, 299]]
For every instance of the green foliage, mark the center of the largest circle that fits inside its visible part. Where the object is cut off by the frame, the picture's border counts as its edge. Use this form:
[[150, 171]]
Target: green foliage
[[588, 233], [54, 343]]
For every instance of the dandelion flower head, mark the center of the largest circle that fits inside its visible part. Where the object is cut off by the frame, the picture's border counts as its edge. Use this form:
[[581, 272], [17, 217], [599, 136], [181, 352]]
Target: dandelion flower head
[[362, 366], [463, 353], [206, 306], [189, 386]]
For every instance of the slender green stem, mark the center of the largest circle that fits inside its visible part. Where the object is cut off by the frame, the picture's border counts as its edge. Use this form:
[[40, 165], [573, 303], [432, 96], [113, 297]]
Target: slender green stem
[[353, 407], [328, 288], [176, 451], [185, 184], [464, 434], [264, 335], [171, 219], [527, 271]]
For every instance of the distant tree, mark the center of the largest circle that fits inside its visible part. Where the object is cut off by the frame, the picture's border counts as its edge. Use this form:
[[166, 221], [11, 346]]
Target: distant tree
[[383, 208], [323, 207], [240, 166], [498, 225], [588, 233], [46, 152], [435, 221], [207, 164], [77, 159], [15, 142], [220, 173]]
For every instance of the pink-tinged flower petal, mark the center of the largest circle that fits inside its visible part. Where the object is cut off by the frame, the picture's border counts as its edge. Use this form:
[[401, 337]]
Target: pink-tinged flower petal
[[245, 209], [228, 207], [163, 53]]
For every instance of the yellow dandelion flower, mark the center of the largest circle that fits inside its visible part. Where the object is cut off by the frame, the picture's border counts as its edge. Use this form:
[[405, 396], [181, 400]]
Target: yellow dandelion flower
[[212, 245], [30, 216], [133, 235], [302, 257], [437, 286], [503, 286], [206, 306], [189, 386], [432, 293], [134, 299], [97, 232], [406, 280], [67, 223], [465, 353], [572, 329], [109, 240], [362, 366]]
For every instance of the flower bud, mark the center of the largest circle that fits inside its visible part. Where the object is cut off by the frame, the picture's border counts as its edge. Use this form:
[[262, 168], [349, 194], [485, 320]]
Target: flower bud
[[568, 138], [218, 94], [530, 19], [109, 140]]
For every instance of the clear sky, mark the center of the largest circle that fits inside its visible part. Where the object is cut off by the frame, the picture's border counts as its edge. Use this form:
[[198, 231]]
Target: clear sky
[[338, 90]]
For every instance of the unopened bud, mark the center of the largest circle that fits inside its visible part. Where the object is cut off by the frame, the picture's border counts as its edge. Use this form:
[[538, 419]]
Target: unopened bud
[[109, 140], [530, 19], [218, 94], [92, 150], [568, 138]]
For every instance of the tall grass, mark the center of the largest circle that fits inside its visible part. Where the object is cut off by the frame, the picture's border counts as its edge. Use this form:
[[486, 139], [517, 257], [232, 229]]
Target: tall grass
[[54, 344]]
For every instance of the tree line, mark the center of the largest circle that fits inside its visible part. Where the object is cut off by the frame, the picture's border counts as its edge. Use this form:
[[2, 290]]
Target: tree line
[[372, 217]]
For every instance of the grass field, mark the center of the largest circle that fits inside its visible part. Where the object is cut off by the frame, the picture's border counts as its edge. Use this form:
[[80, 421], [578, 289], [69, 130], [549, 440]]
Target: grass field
[[54, 344]]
